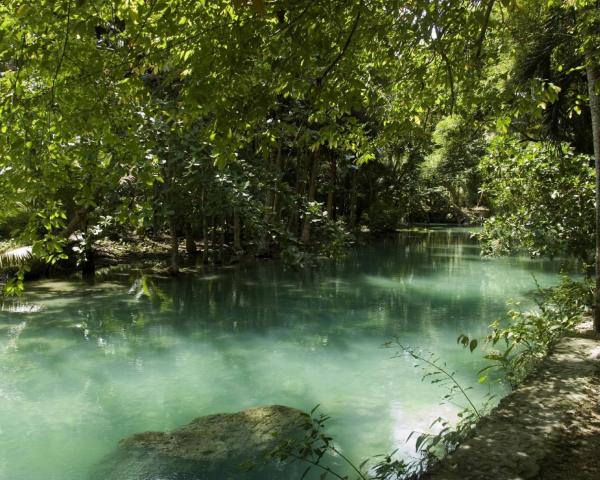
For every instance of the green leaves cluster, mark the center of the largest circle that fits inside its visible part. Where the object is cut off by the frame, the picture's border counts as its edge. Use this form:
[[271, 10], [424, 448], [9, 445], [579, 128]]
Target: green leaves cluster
[[318, 451], [543, 196], [228, 122], [190, 117], [520, 341]]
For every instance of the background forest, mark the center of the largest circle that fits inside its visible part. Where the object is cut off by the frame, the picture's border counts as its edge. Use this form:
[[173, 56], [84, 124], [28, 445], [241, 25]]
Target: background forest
[[282, 127]]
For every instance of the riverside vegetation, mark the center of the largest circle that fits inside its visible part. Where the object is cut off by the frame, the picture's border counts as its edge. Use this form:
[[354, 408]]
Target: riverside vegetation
[[235, 129], [279, 128]]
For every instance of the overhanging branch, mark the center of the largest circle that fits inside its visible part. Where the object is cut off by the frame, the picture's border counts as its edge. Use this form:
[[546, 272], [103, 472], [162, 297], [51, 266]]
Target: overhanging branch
[[339, 56]]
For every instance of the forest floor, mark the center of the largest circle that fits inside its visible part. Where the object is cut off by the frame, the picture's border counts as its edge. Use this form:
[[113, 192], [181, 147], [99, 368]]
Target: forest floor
[[146, 250], [547, 429], [153, 255]]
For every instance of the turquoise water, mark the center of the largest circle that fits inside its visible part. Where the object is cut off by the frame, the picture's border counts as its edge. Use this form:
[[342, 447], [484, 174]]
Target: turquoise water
[[82, 366]]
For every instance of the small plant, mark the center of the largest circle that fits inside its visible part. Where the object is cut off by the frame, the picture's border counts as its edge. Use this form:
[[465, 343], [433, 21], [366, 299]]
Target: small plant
[[336, 239], [14, 264], [524, 338], [318, 450], [432, 447]]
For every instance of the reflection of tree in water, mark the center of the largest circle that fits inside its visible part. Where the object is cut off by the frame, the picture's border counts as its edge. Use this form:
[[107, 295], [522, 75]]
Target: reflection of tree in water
[[159, 347], [414, 283]]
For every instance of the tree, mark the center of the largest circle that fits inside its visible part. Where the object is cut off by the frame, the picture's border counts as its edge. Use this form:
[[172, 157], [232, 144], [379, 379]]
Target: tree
[[241, 123], [555, 51], [543, 196]]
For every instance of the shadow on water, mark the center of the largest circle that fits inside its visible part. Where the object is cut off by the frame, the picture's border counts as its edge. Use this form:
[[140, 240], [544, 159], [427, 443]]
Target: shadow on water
[[86, 364]]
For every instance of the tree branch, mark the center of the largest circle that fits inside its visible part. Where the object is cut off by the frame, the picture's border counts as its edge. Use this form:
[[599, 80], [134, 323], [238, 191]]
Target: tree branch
[[449, 71], [19, 66], [62, 55], [484, 27], [339, 56]]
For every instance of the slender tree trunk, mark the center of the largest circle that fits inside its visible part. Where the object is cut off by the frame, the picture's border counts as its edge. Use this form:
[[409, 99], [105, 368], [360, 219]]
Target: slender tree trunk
[[155, 215], [204, 229], [88, 269], [300, 168], [353, 200], [204, 240], [331, 193], [593, 78], [277, 180], [272, 192], [213, 238], [312, 188], [237, 231], [190, 243], [174, 267], [222, 242]]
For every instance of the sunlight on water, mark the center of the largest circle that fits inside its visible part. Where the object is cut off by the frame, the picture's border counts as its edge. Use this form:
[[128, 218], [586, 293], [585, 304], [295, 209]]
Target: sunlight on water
[[83, 366]]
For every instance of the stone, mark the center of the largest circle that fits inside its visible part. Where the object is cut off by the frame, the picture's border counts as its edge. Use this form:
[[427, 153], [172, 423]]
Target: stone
[[220, 446]]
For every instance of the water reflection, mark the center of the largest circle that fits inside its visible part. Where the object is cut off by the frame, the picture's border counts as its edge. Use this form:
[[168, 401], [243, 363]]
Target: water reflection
[[94, 363]]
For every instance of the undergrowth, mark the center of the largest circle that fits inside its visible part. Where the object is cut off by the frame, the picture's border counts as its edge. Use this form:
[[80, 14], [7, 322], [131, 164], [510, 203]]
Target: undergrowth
[[522, 339]]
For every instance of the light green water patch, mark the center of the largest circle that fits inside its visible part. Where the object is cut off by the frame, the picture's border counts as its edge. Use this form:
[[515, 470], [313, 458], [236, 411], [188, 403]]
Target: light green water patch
[[97, 363]]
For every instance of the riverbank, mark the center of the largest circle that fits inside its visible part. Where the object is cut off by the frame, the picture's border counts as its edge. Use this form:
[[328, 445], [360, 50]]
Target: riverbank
[[547, 429], [154, 254]]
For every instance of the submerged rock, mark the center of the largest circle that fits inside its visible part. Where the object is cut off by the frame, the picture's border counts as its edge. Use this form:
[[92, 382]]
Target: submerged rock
[[220, 446]]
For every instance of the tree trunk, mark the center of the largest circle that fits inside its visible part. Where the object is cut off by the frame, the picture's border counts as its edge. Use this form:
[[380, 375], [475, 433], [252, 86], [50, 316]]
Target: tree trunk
[[88, 268], [222, 242], [272, 192], [592, 78], [155, 214], [174, 267], [353, 199], [204, 240], [204, 229], [331, 194], [277, 180], [293, 218], [312, 187], [190, 243], [237, 230], [213, 238]]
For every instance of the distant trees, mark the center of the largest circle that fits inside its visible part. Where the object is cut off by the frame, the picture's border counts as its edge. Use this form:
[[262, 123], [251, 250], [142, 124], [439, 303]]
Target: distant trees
[[263, 126]]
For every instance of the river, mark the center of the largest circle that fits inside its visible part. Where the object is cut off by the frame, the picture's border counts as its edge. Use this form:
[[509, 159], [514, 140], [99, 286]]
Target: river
[[82, 365]]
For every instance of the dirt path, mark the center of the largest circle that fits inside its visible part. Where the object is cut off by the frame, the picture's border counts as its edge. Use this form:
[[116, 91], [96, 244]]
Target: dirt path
[[547, 429]]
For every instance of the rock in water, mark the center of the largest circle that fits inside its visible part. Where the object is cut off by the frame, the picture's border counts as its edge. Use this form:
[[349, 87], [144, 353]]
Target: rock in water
[[215, 447]]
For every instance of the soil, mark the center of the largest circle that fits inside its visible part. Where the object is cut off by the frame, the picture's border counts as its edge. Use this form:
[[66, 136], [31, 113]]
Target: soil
[[154, 255], [547, 429]]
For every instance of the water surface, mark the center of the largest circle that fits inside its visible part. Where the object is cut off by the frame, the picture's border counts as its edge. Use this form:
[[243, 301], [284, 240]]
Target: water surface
[[82, 366]]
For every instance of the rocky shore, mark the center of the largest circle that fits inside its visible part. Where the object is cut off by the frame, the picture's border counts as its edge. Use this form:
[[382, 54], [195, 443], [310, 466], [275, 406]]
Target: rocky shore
[[547, 429]]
